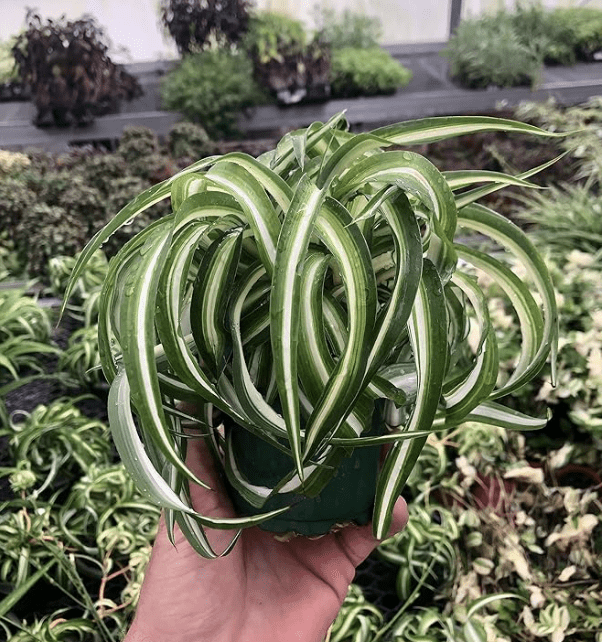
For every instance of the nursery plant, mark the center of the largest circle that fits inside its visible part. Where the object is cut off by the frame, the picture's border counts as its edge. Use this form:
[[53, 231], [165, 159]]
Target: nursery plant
[[310, 306]]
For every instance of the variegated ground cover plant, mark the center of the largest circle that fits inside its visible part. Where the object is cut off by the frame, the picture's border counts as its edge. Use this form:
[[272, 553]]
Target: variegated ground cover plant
[[290, 294]]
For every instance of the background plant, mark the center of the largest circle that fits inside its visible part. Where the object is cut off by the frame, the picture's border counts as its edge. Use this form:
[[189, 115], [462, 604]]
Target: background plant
[[67, 65], [194, 24], [488, 51], [347, 29], [425, 551], [366, 72], [273, 36], [287, 61], [8, 70], [52, 200], [211, 88], [190, 141]]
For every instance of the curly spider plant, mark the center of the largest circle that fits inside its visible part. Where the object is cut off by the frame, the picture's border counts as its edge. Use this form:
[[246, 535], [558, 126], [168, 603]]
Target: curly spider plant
[[311, 304]]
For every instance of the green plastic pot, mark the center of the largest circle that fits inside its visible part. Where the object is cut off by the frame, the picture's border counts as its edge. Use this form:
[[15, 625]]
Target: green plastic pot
[[347, 498]]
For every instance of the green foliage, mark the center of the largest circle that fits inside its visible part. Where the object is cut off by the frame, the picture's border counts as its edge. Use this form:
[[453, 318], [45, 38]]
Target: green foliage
[[189, 140], [286, 61], [430, 469], [577, 398], [357, 621], [567, 217], [21, 316], [8, 68], [84, 305], [581, 28], [45, 231], [60, 268], [549, 35], [15, 200], [81, 359], [272, 36], [211, 88], [583, 124], [488, 51], [84, 203], [57, 441], [366, 72], [348, 29], [9, 262], [95, 529], [24, 335], [508, 48], [136, 143], [424, 551], [100, 170], [86, 520]]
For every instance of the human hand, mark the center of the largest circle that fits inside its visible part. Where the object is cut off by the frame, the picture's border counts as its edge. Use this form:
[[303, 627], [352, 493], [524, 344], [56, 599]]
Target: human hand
[[264, 590]]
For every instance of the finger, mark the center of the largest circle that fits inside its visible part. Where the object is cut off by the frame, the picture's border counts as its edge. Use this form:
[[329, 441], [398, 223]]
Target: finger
[[214, 502], [358, 542]]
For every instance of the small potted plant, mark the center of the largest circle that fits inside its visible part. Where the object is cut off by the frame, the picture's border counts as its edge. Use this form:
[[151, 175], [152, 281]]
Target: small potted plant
[[312, 305]]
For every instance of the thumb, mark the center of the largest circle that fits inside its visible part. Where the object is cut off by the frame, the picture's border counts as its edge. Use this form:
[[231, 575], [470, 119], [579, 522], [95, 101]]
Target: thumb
[[358, 541]]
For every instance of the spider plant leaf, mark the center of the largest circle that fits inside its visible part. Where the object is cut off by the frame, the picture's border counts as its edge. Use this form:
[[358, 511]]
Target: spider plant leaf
[[273, 184], [480, 602], [169, 309], [110, 300], [184, 187], [259, 412], [480, 380], [381, 440], [132, 451], [315, 361], [210, 298], [285, 302], [412, 173], [507, 234], [208, 207], [429, 130], [255, 326], [150, 481], [428, 334], [346, 155], [343, 239], [259, 211], [494, 414], [392, 319], [460, 179], [7, 604], [135, 207], [228, 523], [475, 194], [138, 344], [335, 323], [299, 142], [529, 315], [285, 153]]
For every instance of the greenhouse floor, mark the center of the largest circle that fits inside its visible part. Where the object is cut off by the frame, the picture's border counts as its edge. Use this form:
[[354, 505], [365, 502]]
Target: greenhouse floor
[[429, 93]]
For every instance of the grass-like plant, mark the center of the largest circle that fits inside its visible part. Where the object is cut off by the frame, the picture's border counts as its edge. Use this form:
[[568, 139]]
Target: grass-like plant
[[312, 302]]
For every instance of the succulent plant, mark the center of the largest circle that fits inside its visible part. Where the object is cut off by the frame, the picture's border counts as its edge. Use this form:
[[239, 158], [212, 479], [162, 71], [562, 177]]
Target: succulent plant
[[312, 302]]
